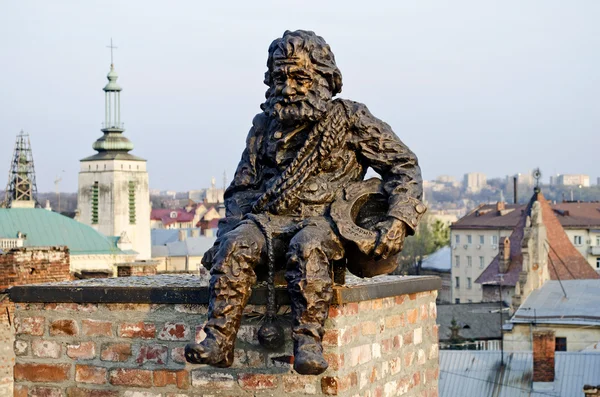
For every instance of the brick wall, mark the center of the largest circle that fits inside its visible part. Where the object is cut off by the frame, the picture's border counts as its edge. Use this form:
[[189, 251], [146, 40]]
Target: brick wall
[[141, 269], [22, 266], [378, 347]]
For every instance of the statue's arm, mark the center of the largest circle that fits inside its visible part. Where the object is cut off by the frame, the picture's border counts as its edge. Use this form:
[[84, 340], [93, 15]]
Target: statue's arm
[[245, 186], [398, 166]]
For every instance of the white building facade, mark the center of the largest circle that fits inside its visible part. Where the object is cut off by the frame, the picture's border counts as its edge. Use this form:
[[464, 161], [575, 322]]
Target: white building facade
[[113, 195]]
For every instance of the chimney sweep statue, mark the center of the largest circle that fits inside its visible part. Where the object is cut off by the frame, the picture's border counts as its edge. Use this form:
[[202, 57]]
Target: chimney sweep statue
[[298, 200]]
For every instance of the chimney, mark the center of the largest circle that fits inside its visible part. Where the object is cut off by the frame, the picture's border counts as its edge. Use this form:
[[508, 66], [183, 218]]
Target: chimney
[[515, 188], [500, 206], [504, 255], [195, 232], [543, 356], [182, 235]]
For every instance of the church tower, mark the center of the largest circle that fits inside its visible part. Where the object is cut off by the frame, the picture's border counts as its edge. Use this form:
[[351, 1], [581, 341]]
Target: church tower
[[113, 195]]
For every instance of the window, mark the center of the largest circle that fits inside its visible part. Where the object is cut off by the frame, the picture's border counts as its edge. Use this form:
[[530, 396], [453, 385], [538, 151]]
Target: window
[[469, 261], [457, 300], [468, 282], [597, 241], [131, 202], [577, 240], [469, 239], [597, 263], [481, 239], [457, 238], [494, 240], [457, 261], [456, 282], [560, 344], [95, 203], [481, 262]]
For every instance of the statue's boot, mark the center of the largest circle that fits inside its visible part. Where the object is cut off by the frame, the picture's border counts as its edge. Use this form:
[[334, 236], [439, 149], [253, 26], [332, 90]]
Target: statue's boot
[[231, 282], [310, 288]]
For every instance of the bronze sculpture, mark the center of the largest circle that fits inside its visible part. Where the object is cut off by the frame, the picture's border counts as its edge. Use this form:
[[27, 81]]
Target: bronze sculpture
[[302, 153]]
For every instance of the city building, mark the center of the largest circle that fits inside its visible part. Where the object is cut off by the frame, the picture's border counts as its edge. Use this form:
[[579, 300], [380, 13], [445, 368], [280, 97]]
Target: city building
[[474, 182], [200, 215], [571, 180], [569, 308], [113, 195], [537, 250], [475, 239]]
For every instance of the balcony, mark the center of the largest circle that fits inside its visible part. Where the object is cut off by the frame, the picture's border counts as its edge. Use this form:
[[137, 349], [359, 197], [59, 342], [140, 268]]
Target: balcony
[[595, 250]]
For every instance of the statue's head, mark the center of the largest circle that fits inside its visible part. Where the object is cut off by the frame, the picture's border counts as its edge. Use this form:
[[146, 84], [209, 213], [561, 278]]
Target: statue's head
[[302, 77]]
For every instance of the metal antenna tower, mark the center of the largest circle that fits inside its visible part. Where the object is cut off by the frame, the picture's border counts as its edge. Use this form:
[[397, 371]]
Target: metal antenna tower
[[21, 184]]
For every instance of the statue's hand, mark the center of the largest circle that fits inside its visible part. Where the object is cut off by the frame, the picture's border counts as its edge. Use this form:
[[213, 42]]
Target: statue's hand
[[390, 238]]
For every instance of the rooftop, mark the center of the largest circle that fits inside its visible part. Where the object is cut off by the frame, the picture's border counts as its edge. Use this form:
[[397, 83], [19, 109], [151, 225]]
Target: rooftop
[[569, 214], [479, 321], [440, 260], [548, 305], [477, 373], [46, 229], [565, 262]]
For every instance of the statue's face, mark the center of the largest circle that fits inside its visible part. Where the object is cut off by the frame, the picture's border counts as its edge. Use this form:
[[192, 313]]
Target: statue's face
[[298, 93]]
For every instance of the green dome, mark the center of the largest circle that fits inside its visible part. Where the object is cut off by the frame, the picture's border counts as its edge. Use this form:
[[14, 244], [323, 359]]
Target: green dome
[[112, 141], [112, 77]]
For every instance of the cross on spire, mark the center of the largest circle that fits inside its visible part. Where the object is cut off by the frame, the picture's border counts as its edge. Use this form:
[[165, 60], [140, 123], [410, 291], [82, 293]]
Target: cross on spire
[[111, 50]]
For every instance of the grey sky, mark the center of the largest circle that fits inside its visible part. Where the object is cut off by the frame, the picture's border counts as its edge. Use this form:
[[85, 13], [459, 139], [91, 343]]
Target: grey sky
[[493, 86]]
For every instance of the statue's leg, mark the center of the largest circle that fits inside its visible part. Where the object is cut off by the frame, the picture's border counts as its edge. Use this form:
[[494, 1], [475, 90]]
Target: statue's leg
[[311, 290], [232, 277]]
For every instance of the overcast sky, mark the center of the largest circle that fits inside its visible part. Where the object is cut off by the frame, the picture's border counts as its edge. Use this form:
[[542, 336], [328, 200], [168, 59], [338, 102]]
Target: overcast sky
[[498, 87]]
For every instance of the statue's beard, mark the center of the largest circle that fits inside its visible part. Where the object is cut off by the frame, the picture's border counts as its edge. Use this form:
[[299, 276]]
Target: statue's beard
[[309, 108]]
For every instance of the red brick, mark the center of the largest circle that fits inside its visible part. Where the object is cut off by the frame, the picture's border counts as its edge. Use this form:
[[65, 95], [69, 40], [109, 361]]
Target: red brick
[[408, 337], [386, 345], [350, 309], [115, 352], [400, 299], [30, 325], [79, 392], [45, 392], [369, 328], [331, 337], [257, 381], [335, 311], [96, 328], [64, 327], [424, 312], [408, 358], [156, 354], [365, 306], [82, 351], [412, 316], [416, 379], [90, 374], [137, 330], [131, 377], [175, 331], [397, 343], [330, 385], [42, 372], [212, 381], [335, 361], [46, 349], [395, 321], [304, 384], [377, 304], [412, 296], [178, 355], [164, 378]]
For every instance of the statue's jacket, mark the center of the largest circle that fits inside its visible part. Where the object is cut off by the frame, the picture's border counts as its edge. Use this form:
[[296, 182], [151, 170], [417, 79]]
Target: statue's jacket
[[366, 142]]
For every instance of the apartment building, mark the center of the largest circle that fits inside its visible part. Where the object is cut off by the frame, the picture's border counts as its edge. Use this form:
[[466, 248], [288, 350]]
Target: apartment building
[[475, 239]]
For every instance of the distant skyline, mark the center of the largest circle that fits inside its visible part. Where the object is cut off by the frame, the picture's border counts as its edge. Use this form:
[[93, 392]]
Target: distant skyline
[[469, 86]]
